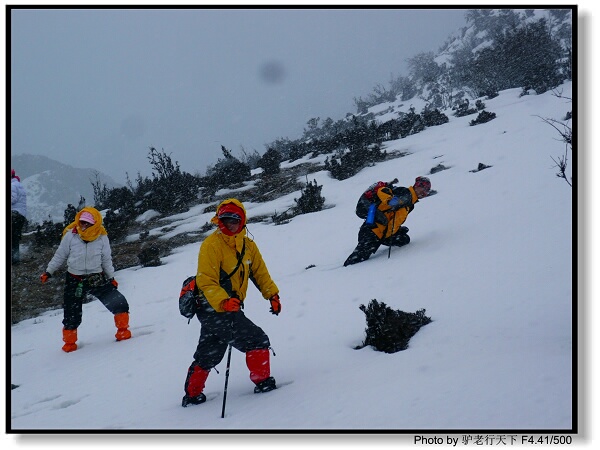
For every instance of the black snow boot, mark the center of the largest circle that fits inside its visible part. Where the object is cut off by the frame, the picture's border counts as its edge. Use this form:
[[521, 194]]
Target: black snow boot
[[265, 386], [187, 400]]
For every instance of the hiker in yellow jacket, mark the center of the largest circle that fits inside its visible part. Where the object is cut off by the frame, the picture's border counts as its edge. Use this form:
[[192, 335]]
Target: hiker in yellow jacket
[[385, 208], [227, 260]]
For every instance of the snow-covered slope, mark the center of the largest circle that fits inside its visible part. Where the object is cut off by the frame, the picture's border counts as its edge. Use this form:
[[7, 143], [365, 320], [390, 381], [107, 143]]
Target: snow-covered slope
[[490, 260]]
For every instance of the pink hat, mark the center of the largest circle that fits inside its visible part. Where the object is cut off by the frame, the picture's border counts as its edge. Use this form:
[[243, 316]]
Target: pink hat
[[87, 217]]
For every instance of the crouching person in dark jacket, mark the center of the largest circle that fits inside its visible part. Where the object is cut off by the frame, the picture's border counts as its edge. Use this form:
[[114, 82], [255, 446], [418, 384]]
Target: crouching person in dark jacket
[[385, 208], [228, 259]]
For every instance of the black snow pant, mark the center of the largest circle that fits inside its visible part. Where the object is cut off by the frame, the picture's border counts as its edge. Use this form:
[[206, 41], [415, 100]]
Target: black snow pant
[[17, 222], [368, 243], [110, 297], [219, 329]]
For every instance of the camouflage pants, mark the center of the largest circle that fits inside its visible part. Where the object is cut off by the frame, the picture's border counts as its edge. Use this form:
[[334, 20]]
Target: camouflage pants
[[219, 329], [110, 297]]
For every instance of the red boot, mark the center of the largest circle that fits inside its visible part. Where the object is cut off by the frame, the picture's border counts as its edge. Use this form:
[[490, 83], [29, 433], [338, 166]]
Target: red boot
[[69, 338], [260, 370], [122, 324], [258, 363], [194, 385]]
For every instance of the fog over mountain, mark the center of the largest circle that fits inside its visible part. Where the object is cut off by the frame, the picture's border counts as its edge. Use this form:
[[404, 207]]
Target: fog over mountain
[[52, 185]]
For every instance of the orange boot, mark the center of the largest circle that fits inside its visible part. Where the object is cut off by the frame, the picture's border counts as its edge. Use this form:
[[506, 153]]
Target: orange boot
[[69, 338], [122, 323]]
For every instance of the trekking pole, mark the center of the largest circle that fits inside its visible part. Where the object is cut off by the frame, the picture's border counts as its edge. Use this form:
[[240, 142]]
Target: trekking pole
[[226, 381], [227, 371], [393, 223]]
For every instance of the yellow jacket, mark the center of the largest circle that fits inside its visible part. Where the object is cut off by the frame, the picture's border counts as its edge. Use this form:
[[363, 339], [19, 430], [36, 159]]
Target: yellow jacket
[[394, 219], [219, 256]]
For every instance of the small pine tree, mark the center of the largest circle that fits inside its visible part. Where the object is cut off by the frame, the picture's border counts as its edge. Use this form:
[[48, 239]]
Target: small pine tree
[[101, 192], [116, 225], [311, 199], [227, 172], [390, 330], [70, 213], [270, 162], [483, 117], [463, 109], [150, 256], [433, 117], [48, 234]]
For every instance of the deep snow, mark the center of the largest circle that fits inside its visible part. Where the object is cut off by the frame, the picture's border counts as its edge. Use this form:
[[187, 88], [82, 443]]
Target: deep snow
[[491, 261]]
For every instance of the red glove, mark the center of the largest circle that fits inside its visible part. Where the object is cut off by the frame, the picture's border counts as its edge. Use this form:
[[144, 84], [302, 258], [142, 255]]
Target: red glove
[[231, 304], [275, 305], [44, 277], [114, 282]]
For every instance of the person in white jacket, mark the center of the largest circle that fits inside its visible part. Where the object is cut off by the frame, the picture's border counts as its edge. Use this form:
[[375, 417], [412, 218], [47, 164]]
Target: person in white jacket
[[18, 214], [86, 250]]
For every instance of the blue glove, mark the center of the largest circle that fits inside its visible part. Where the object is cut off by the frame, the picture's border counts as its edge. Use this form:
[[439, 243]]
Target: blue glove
[[394, 203]]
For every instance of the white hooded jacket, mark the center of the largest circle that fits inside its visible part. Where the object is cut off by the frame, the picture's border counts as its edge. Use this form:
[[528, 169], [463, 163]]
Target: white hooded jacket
[[18, 197]]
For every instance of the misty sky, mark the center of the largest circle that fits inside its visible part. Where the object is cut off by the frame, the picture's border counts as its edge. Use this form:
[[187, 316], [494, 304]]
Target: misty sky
[[96, 88]]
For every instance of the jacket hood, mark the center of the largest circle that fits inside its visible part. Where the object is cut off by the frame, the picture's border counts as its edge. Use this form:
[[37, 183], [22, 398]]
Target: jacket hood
[[237, 206], [92, 232]]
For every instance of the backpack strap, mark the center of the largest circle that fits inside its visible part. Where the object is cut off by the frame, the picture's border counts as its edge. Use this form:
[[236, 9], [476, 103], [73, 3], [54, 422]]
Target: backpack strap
[[239, 263], [192, 279]]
